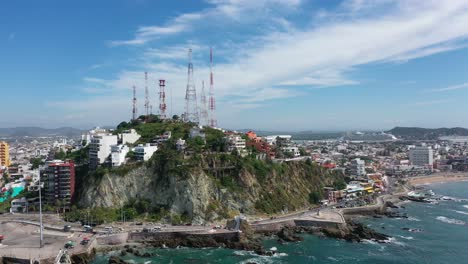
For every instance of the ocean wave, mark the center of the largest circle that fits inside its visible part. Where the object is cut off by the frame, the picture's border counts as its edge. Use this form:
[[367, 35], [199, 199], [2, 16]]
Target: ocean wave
[[466, 206], [412, 218], [407, 237], [394, 241], [450, 220], [332, 258], [461, 212]]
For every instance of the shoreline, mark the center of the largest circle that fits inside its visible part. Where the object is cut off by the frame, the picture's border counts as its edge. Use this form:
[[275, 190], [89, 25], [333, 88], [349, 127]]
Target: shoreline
[[438, 178]]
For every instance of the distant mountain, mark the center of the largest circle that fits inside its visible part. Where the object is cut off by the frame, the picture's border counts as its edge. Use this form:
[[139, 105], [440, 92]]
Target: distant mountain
[[39, 132], [418, 133]]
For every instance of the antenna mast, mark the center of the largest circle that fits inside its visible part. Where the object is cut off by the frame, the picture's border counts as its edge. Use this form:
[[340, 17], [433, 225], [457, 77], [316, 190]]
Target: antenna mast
[[213, 122], [134, 110], [162, 99], [147, 103], [191, 108], [203, 107]]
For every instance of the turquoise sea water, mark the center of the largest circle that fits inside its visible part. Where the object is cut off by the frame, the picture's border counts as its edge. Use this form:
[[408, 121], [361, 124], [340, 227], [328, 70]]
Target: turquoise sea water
[[16, 191], [444, 239]]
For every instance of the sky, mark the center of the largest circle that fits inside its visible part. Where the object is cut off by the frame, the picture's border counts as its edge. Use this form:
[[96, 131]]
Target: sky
[[284, 65]]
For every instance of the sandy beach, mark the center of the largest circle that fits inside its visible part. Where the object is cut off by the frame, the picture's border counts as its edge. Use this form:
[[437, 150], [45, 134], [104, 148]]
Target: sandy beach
[[438, 178]]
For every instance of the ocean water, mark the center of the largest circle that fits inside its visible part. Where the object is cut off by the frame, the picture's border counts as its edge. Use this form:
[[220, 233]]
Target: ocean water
[[443, 238]]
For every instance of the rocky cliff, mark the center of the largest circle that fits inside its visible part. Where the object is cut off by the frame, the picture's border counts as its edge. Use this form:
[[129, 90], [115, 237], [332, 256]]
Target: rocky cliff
[[208, 187]]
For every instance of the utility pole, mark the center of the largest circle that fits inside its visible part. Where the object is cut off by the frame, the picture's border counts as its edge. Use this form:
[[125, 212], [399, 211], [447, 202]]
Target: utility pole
[[41, 227]]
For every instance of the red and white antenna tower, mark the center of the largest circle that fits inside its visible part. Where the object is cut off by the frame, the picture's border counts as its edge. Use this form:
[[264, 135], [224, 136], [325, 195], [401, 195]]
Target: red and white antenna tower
[[212, 106], [203, 107], [134, 110], [191, 108], [147, 102], [162, 99]]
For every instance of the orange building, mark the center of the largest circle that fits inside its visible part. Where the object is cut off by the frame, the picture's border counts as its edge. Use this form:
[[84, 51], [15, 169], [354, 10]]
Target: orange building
[[4, 154]]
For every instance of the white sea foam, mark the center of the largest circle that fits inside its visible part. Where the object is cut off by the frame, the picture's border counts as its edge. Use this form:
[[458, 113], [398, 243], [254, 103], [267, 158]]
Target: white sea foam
[[332, 258], [450, 220], [393, 240], [407, 237], [412, 218], [466, 206], [461, 212], [240, 253]]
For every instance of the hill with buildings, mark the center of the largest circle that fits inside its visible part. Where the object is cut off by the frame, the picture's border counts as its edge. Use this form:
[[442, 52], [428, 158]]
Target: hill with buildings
[[40, 132], [205, 180], [418, 133]]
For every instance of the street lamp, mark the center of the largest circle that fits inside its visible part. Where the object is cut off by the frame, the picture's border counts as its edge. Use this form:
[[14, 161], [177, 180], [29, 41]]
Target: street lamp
[[41, 227]]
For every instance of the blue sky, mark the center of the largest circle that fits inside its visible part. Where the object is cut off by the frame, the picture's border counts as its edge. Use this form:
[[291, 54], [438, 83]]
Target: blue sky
[[278, 64]]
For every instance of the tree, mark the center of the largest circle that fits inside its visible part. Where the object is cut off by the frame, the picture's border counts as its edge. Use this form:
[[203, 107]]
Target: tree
[[315, 197], [61, 155], [175, 117], [339, 184], [36, 162]]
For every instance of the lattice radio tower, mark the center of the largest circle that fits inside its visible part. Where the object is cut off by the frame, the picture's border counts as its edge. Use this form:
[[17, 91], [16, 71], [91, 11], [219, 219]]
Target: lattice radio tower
[[191, 108], [134, 101], [162, 99], [203, 107], [147, 102], [212, 122]]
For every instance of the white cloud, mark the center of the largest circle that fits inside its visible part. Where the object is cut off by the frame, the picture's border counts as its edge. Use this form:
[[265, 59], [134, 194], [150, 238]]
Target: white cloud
[[451, 88], [265, 67]]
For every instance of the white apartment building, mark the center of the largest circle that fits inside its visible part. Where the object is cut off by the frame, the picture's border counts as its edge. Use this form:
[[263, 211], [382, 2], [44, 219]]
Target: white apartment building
[[93, 132], [358, 167], [118, 154], [272, 139], [235, 142], [129, 136], [100, 149], [293, 150], [19, 205], [421, 156], [144, 152]]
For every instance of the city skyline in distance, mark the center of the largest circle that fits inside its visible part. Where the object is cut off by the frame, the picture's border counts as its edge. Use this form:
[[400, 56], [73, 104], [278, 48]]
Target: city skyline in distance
[[282, 65]]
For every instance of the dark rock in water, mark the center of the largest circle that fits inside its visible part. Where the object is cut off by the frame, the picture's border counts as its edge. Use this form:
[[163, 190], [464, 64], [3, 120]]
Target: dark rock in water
[[116, 260], [83, 258], [288, 234], [123, 253], [390, 205], [354, 232], [377, 216], [414, 230], [269, 253], [147, 255]]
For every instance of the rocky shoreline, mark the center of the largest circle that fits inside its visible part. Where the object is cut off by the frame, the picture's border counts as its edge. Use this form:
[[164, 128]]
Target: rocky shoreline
[[249, 240]]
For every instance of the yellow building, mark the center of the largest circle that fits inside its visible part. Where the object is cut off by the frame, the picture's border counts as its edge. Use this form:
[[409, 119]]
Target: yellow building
[[4, 154]]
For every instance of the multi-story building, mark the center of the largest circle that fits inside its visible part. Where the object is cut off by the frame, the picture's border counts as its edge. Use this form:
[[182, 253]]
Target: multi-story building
[[4, 154], [235, 142], [144, 152], [129, 136], [358, 167], [118, 154], [421, 156], [100, 149], [59, 183]]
